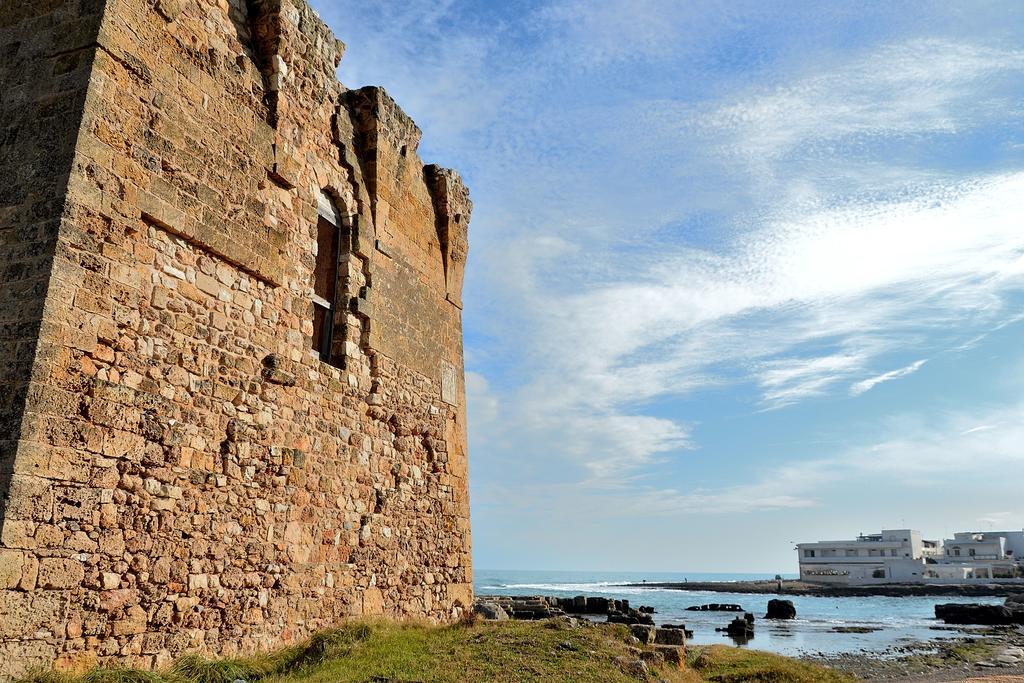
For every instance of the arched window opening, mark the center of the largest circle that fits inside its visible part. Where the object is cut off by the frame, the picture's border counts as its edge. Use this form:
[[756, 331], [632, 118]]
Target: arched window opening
[[330, 246]]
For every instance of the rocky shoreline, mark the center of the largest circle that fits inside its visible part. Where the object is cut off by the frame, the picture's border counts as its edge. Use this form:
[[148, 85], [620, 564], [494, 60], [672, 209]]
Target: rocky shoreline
[[790, 587], [972, 653]]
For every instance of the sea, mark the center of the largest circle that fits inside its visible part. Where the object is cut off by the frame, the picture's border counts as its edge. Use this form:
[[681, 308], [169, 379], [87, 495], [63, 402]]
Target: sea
[[895, 622]]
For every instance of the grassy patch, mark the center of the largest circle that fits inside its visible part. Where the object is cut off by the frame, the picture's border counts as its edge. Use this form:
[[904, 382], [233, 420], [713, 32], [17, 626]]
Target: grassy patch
[[510, 651], [506, 651], [732, 665], [967, 651]]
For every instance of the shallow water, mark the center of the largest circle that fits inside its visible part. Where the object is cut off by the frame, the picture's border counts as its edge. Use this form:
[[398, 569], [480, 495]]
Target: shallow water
[[899, 620]]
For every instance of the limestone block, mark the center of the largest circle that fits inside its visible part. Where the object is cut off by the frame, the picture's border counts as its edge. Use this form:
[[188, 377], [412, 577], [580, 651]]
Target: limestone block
[[133, 623], [643, 632], [29, 572], [23, 615], [673, 654], [29, 498], [18, 658], [670, 636], [18, 534], [11, 563], [373, 602], [169, 9], [76, 663], [60, 573]]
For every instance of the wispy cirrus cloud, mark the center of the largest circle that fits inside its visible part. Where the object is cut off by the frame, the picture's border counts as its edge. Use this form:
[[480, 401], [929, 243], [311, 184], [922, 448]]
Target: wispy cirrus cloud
[[860, 281], [682, 201], [810, 294], [913, 87], [870, 383], [914, 449]]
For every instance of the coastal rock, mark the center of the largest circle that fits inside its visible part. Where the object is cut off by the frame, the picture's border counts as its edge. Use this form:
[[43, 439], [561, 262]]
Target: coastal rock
[[643, 632], [682, 627], [984, 615], [672, 654], [633, 667], [490, 611], [547, 607], [628, 619], [741, 627], [780, 609], [670, 636], [1016, 599], [716, 607], [568, 622]]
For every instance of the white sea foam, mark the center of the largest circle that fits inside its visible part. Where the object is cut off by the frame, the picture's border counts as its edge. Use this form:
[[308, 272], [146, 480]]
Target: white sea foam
[[570, 587]]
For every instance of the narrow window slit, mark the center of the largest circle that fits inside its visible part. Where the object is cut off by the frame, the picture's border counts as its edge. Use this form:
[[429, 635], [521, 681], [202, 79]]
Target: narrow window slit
[[326, 281]]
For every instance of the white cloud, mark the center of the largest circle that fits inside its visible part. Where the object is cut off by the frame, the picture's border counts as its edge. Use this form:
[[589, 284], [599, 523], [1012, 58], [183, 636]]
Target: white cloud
[[480, 399], [860, 281], [870, 383], [917, 450], [920, 86], [796, 308], [979, 428], [836, 242]]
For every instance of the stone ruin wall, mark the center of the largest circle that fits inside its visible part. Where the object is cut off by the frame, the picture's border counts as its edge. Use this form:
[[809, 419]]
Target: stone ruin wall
[[179, 470]]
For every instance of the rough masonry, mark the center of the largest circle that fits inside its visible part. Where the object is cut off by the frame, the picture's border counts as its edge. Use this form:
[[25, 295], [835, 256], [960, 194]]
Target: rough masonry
[[231, 373]]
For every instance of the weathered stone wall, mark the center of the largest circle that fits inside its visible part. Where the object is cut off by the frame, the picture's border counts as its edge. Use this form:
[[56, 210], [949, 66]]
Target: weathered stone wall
[[43, 77], [45, 60], [189, 475]]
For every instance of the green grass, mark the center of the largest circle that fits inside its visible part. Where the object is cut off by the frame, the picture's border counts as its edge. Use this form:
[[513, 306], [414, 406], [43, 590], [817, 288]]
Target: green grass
[[511, 651], [506, 652], [964, 652], [731, 665]]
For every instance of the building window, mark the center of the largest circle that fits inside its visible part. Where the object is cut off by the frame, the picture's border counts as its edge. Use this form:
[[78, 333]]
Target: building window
[[956, 551], [329, 245], [970, 552], [808, 553]]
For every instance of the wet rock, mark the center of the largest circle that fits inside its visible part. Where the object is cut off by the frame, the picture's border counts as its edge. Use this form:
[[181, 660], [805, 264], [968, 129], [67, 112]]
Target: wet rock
[[628, 619], [780, 609], [716, 607], [985, 615], [741, 627]]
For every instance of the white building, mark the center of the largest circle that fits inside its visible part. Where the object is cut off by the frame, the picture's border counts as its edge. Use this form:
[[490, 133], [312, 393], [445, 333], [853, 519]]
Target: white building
[[895, 555], [902, 556], [990, 554]]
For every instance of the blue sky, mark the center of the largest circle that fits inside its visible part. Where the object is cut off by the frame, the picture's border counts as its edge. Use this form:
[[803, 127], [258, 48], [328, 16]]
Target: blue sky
[[741, 274]]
